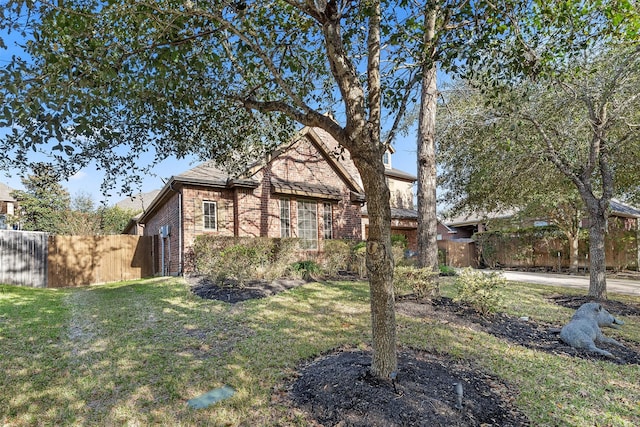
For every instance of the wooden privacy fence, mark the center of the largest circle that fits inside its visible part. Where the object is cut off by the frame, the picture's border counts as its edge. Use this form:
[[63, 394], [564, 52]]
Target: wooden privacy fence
[[458, 253], [40, 260]]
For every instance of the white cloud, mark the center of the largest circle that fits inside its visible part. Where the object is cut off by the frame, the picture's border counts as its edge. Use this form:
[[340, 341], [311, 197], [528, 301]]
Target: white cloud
[[78, 175]]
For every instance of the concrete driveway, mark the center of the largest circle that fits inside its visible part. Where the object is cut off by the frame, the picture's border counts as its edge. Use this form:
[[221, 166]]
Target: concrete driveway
[[614, 285]]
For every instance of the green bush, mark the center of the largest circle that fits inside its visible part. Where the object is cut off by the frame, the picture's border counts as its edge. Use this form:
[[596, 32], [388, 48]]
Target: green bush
[[359, 259], [337, 255], [445, 270], [479, 290], [239, 259], [399, 239], [422, 282], [305, 269]]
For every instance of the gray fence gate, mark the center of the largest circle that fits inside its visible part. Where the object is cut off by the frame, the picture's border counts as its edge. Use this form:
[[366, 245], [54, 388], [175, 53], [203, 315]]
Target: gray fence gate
[[23, 258]]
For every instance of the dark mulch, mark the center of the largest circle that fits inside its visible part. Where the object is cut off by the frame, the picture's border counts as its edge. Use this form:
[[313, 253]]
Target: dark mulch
[[338, 390], [617, 308], [540, 336], [232, 293]]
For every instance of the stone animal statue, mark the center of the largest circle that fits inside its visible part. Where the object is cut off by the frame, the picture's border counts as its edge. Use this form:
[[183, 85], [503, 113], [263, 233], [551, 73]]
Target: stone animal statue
[[583, 331]]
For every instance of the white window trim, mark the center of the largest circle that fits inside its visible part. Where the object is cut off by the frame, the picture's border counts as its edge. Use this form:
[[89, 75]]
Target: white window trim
[[204, 215], [287, 201], [324, 220], [313, 241]]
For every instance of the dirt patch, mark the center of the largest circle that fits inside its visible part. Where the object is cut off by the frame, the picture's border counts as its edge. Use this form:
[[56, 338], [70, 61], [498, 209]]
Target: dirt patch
[[232, 293], [338, 390]]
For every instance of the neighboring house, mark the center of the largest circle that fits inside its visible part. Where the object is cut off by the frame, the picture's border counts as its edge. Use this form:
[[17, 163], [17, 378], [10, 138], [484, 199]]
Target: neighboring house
[[621, 251], [7, 205], [137, 203], [465, 226], [302, 190]]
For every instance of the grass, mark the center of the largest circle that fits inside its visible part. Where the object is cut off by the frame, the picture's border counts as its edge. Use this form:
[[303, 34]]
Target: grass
[[133, 353]]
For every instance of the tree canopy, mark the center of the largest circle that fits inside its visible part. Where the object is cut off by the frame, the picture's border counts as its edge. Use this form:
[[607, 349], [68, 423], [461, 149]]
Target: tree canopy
[[524, 144], [105, 81]]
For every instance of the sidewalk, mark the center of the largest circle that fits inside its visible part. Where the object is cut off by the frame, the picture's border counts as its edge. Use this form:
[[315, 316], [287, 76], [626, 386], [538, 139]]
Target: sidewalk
[[614, 285]]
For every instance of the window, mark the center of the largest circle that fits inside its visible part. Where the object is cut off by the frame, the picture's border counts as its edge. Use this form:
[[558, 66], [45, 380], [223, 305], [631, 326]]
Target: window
[[209, 215], [328, 220], [285, 218], [308, 224], [386, 159]]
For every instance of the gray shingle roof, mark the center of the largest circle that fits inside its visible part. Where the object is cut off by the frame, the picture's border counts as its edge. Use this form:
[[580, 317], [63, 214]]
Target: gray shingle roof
[[138, 202], [622, 209], [5, 193], [206, 172]]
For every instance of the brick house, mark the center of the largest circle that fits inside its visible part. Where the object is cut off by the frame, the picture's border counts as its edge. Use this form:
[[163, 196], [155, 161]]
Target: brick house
[[302, 190]]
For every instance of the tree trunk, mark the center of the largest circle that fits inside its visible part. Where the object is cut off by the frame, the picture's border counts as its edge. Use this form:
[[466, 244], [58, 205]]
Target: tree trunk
[[597, 262], [574, 255], [427, 219], [380, 267]]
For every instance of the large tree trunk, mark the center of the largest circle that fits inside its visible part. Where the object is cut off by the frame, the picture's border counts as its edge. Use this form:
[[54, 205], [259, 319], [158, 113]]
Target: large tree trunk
[[597, 262], [380, 268], [427, 220]]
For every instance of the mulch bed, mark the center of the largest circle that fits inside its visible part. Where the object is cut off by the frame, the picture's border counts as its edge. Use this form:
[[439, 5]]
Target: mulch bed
[[617, 308], [543, 336], [232, 293], [338, 390]]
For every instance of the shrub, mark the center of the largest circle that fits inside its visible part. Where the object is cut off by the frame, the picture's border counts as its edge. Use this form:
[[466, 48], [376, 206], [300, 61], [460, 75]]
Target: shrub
[[336, 256], [359, 259], [423, 282], [445, 270], [479, 290], [241, 259], [400, 240], [305, 269]]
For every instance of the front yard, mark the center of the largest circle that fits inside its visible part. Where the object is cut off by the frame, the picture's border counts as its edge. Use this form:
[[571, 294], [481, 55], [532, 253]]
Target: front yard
[[135, 353]]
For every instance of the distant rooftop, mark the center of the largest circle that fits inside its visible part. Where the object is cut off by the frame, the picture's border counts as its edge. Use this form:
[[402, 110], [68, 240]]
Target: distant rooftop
[[138, 202], [5, 193]]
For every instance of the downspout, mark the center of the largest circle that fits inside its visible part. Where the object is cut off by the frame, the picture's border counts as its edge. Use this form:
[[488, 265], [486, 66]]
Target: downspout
[[162, 269]]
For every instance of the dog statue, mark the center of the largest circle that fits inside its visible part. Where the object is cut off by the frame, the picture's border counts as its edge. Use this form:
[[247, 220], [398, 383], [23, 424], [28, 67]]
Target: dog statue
[[583, 331]]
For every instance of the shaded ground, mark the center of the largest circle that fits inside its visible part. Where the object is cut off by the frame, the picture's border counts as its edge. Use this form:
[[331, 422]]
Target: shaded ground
[[337, 389]]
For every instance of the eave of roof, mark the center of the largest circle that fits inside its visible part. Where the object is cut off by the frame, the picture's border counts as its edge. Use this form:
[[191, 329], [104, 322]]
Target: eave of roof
[[174, 182], [397, 213], [398, 174], [621, 209], [305, 190]]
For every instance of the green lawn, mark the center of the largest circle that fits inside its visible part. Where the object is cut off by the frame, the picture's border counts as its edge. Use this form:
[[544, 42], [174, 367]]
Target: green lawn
[[134, 353]]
